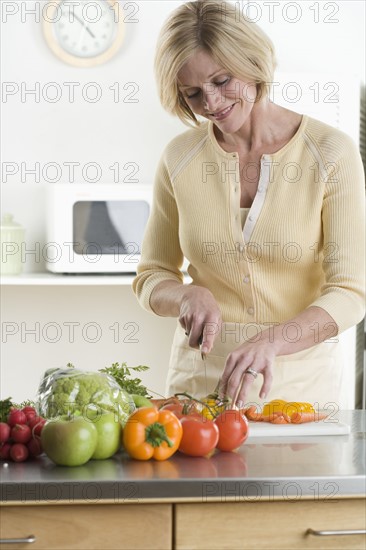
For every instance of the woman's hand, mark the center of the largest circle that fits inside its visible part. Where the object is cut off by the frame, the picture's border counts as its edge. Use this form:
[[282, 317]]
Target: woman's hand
[[260, 355], [200, 317], [236, 380]]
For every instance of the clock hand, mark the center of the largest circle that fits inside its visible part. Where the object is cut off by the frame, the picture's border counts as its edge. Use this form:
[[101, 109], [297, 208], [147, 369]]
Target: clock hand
[[82, 23]]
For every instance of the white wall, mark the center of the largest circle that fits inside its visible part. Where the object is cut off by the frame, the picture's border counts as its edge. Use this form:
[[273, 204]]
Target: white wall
[[106, 133]]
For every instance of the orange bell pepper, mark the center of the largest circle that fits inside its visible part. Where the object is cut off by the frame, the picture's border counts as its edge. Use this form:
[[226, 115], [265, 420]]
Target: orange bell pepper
[[152, 433]]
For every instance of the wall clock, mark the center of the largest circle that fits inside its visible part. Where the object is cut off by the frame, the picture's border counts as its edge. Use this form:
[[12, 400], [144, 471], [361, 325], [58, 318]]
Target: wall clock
[[84, 33]]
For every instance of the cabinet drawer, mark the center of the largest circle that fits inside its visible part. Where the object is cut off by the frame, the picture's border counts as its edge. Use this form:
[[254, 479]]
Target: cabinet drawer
[[268, 525], [103, 527]]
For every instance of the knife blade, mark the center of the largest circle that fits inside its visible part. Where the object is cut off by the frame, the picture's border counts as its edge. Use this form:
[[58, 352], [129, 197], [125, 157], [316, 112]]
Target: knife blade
[[200, 340], [203, 357]]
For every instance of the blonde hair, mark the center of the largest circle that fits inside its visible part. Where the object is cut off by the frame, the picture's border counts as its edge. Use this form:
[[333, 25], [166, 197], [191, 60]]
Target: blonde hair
[[218, 27]]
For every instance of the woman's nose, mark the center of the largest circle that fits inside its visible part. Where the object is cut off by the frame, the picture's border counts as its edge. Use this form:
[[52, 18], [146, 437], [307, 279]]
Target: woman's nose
[[211, 97]]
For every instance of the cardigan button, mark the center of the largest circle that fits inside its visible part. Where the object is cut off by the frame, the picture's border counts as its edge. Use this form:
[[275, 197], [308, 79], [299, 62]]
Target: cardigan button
[[250, 310]]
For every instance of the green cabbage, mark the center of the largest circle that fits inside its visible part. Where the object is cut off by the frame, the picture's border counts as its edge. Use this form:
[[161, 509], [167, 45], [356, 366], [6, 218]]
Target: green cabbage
[[71, 391]]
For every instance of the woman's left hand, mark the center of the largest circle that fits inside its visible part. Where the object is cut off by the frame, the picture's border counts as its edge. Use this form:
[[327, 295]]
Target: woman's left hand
[[255, 356], [259, 355]]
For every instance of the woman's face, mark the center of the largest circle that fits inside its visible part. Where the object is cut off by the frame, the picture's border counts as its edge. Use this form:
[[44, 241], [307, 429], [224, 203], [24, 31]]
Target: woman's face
[[210, 91]]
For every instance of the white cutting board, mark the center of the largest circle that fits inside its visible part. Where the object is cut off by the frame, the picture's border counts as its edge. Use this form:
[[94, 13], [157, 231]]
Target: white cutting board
[[266, 429]]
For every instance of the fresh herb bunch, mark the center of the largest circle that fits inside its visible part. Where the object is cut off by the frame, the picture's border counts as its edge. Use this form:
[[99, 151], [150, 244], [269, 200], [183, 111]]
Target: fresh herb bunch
[[122, 375], [5, 406]]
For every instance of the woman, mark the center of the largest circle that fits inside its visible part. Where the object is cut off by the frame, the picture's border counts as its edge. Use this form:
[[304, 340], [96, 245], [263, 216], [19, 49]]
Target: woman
[[266, 205]]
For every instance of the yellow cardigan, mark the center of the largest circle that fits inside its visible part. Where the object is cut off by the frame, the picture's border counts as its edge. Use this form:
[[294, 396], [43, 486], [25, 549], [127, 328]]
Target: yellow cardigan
[[303, 240]]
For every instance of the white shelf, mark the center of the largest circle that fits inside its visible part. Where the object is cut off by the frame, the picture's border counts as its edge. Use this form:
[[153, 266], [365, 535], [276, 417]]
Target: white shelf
[[52, 279]]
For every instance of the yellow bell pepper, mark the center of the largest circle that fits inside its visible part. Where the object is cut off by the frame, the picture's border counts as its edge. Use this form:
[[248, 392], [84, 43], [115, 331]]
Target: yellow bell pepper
[[286, 407]]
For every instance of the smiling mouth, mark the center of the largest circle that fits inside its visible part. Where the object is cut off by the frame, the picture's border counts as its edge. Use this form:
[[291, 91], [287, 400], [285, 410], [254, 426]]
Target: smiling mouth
[[223, 113]]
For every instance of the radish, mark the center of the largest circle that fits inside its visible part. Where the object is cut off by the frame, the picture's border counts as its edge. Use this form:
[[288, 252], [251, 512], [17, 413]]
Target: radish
[[16, 416], [21, 433], [19, 452], [4, 432]]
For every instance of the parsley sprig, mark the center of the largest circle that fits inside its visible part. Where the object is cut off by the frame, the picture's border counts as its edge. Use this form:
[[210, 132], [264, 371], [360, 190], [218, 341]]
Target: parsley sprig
[[122, 374]]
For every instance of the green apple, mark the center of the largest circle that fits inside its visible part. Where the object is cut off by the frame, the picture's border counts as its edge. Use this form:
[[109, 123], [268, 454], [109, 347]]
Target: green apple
[[69, 440], [141, 401], [109, 432]]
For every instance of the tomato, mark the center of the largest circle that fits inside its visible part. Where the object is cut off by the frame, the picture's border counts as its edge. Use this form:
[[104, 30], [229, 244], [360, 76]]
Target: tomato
[[181, 409], [233, 429], [176, 408], [200, 436]]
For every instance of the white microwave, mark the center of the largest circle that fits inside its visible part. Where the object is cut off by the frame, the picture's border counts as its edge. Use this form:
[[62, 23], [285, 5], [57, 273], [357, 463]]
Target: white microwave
[[96, 228]]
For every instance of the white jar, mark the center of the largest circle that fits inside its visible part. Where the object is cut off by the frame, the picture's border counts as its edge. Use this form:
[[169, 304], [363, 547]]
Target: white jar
[[12, 236]]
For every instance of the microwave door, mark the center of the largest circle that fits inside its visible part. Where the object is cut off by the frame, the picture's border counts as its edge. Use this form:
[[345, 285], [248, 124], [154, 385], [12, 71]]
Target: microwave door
[[129, 220], [93, 227]]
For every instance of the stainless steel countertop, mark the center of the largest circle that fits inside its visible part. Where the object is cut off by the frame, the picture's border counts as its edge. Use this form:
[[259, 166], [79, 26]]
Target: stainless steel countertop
[[268, 468]]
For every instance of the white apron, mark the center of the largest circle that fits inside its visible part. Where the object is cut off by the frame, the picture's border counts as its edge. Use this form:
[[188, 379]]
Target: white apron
[[313, 375]]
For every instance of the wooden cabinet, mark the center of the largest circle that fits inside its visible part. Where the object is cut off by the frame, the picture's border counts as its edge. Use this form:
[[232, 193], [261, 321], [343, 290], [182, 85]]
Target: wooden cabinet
[[102, 527], [269, 525], [192, 526]]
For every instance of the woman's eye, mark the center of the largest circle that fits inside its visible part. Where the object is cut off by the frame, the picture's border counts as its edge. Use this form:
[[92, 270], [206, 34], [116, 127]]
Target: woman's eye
[[196, 94], [222, 82], [193, 95]]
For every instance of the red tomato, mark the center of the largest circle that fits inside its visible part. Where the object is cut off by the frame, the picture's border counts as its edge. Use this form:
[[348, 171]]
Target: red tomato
[[200, 436], [233, 429], [176, 408], [182, 409]]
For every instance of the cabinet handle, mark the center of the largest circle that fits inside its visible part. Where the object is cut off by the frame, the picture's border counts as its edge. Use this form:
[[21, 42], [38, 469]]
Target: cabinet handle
[[29, 539], [338, 532]]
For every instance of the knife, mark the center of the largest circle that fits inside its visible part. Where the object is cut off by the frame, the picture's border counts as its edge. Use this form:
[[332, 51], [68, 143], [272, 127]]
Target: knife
[[203, 357], [200, 341]]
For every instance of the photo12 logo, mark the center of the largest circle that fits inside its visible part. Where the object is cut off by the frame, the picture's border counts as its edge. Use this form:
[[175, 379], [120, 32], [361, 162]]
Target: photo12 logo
[[91, 11], [288, 12], [69, 172], [68, 92], [69, 332]]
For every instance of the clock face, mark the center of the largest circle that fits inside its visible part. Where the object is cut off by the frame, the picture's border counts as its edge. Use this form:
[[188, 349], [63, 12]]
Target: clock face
[[85, 29], [84, 33]]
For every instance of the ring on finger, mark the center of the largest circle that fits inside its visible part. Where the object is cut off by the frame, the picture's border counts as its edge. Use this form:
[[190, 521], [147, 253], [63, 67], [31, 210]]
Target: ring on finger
[[252, 372]]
